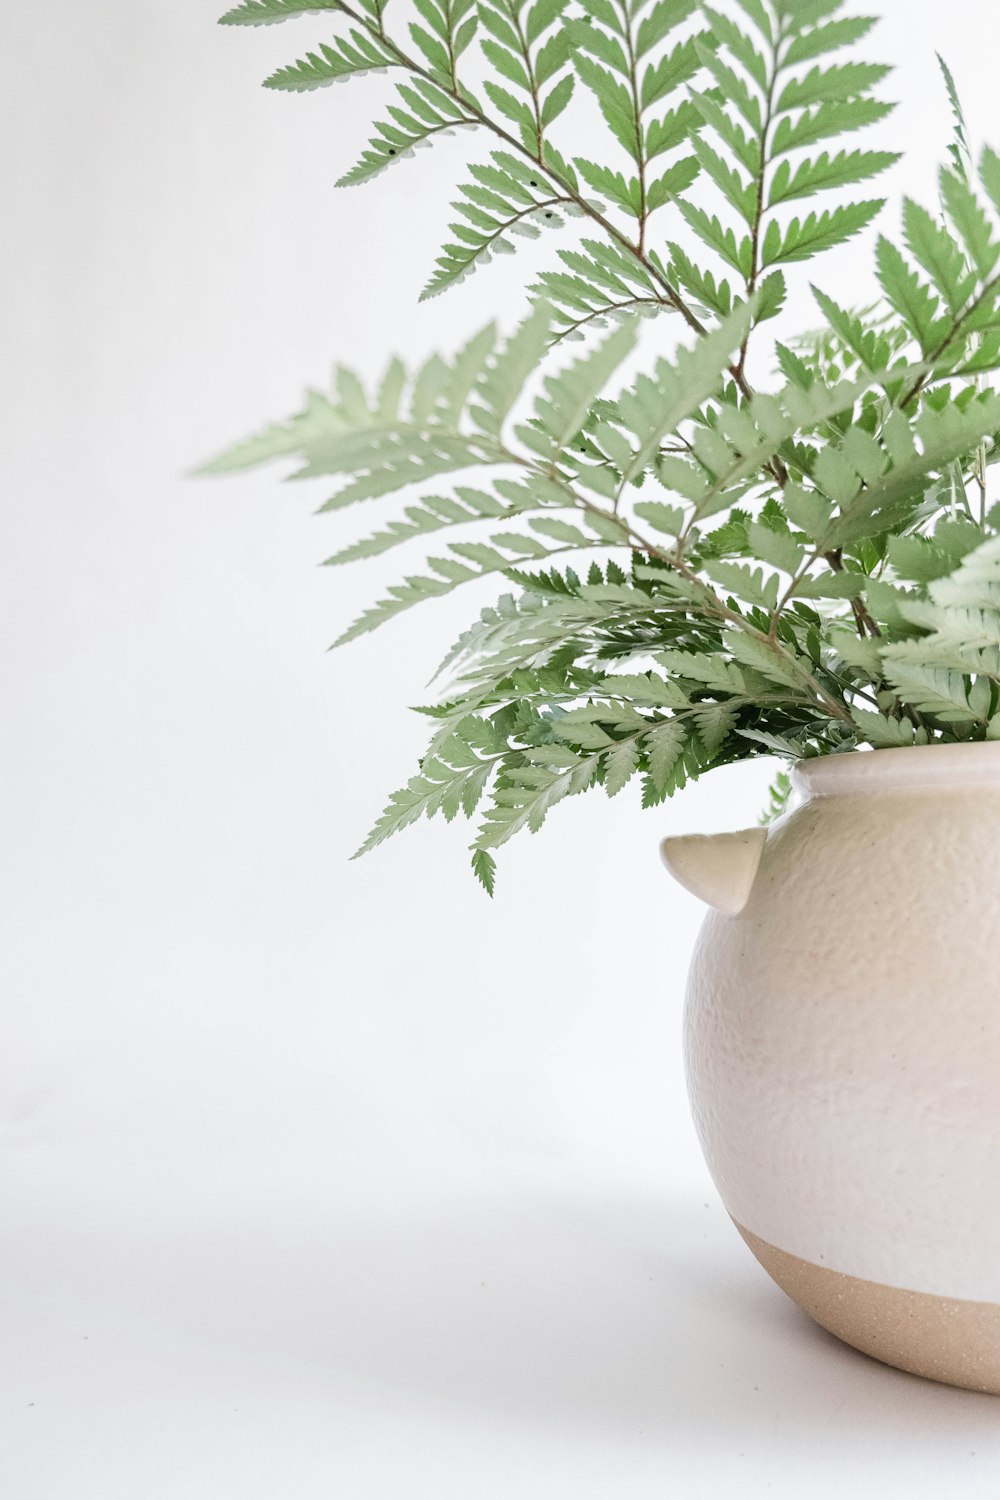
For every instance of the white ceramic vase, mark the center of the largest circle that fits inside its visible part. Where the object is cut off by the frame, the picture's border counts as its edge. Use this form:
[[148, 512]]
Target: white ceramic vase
[[842, 1040]]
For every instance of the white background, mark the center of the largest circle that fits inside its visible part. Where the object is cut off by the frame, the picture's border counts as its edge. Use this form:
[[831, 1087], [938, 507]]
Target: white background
[[324, 1179]]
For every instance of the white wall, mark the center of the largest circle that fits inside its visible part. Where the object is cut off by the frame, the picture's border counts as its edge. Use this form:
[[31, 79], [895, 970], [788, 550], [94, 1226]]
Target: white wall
[[274, 1121]]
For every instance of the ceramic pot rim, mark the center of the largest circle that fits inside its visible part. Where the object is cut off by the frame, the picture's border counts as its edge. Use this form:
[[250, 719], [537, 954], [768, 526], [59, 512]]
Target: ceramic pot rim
[[940, 768]]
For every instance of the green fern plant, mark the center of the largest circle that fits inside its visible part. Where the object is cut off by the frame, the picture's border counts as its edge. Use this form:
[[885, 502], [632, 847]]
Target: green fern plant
[[698, 566]]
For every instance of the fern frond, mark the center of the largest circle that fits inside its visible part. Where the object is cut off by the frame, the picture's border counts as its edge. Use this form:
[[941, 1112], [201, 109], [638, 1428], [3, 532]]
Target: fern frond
[[802, 239], [507, 199], [429, 113], [655, 406], [270, 12], [917, 305], [501, 382], [535, 67], [437, 513], [567, 397], [465, 562], [360, 52], [876, 485], [450, 782], [826, 122], [600, 283], [761, 108], [407, 423], [958, 150], [789, 571], [484, 867], [824, 172]]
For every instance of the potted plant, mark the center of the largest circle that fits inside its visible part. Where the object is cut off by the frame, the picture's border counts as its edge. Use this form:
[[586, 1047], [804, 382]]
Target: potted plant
[[762, 545]]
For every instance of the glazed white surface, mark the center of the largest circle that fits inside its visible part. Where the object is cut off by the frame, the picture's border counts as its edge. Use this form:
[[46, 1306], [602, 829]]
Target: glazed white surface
[[842, 1038]]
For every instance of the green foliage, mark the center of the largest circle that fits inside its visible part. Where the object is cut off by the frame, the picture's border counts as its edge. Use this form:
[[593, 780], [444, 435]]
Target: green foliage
[[698, 566], [268, 12], [779, 796], [508, 198], [424, 111], [528, 46], [358, 52]]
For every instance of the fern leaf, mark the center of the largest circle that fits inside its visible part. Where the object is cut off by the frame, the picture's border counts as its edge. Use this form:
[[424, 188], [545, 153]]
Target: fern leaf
[[801, 240], [449, 782], [664, 748], [484, 867], [538, 71], [932, 690], [614, 101], [656, 405], [943, 435], [600, 283], [737, 253], [714, 723], [742, 47], [827, 38], [872, 351], [916, 304], [959, 151], [709, 294], [333, 63], [524, 795], [464, 562], [568, 396], [971, 221], [318, 416], [739, 191], [673, 129], [499, 386], [825, 122], [842, 83], [449, 28], [428, 113], [933, 248], [824, 172], [885, 733], [270, 12], [508, 198], [432, 514], [620, 764]]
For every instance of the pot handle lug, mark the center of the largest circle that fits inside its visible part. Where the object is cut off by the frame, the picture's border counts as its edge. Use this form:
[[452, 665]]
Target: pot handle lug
[[718, 868]]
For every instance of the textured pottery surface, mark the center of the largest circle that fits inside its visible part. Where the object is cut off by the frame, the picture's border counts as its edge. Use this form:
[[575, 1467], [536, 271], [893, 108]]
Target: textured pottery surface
[[842, 1040]]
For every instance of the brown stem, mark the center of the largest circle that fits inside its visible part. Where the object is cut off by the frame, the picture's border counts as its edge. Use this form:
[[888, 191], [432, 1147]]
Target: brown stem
[[863, 620]]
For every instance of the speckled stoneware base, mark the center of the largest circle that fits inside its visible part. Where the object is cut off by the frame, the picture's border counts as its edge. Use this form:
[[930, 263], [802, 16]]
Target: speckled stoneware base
[[842, 1044], [940, 1338]]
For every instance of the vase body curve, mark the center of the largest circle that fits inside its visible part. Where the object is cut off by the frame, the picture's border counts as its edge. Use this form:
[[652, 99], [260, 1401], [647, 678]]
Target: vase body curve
[[842, 1048]]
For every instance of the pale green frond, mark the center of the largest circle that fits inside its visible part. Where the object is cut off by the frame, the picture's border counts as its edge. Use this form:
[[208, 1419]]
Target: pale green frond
[[428, 113], [437, 513], [959, 150], [654, 406], [507, 200], [333, 62], [887, 733], [499, 387], [567, 397], [464, 562], [270, 12], [599, 285]]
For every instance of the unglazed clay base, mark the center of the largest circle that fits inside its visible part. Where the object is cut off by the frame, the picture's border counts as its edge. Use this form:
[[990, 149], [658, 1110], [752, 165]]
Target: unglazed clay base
[[941, 1338]]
